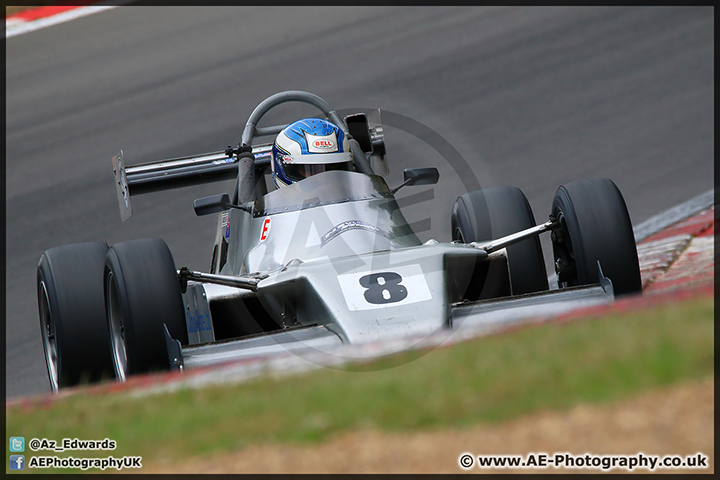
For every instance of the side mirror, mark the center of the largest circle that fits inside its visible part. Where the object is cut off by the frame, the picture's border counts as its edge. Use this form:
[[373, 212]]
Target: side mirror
[[418, 176], [421, 176], [212, 204]]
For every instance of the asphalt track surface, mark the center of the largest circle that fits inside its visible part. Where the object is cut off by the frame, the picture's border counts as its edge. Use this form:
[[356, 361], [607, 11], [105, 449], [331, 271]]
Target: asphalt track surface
[[529, 96]]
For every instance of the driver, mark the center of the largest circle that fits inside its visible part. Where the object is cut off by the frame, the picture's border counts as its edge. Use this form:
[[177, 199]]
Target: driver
[[307, 147]]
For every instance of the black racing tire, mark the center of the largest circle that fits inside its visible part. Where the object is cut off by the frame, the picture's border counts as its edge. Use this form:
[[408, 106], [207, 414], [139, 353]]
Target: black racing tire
[[142, 292], [492, 213], [72, 314], [594, 226]]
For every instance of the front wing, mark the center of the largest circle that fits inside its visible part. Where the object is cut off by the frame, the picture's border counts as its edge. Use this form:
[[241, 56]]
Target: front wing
[[466, 319]]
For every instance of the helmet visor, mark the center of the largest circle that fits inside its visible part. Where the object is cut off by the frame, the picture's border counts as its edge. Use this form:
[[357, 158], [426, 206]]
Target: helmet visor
[[299, 171]]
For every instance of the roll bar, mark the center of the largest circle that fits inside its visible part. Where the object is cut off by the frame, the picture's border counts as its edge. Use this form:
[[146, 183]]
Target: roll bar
[[251, 131]]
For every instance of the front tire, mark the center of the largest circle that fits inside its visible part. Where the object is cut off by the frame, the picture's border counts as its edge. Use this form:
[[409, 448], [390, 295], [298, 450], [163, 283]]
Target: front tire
[[594, 226], [492, 213], [75, 337], [142, 292]]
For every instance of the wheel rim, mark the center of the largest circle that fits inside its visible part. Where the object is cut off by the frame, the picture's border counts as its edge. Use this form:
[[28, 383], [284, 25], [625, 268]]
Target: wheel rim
[[459, 235], [117, 329], [49, 339], [565, 266]]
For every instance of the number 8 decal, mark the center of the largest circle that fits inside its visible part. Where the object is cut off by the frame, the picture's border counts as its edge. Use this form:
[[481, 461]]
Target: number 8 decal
[[383, 288]]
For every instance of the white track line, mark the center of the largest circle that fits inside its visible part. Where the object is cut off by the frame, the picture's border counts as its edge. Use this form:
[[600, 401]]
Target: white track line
[[15, 27]]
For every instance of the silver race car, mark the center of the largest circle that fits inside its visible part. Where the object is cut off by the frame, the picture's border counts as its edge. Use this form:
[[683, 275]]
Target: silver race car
[[326, 260]]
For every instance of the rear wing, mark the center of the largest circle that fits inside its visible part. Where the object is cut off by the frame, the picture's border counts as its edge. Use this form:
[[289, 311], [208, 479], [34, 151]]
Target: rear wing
[[178, 172]]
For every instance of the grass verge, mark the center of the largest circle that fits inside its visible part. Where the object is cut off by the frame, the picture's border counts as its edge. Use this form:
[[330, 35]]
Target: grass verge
[[489, 379]]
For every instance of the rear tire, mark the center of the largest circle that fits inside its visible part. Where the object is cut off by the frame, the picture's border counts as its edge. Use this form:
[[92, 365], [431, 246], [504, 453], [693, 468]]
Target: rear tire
[[72, 314], [492, 213], [594, 226], [142, 292]]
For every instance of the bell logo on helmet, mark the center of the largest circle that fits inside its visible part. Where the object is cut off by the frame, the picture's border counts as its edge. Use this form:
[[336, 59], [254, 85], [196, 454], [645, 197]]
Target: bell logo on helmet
[[323, 144]]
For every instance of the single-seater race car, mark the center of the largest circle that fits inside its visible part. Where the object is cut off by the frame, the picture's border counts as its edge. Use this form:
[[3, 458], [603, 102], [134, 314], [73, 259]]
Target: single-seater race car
[[324, 261]]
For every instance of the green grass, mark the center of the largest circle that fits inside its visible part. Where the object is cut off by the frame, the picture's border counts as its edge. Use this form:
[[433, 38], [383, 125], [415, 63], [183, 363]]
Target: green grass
[[551, 367]]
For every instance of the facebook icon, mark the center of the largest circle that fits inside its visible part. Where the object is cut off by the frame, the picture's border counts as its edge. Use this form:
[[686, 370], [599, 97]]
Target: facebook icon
[[17, 462]]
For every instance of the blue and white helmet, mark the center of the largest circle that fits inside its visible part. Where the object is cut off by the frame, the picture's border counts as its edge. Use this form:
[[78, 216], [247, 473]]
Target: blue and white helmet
[[308, 147]]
